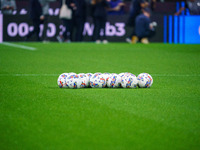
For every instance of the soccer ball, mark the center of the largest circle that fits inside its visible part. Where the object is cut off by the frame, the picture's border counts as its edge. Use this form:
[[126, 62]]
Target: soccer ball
[[98, 81], [129, 81], [106, 76], [89, 75], [73, 81], [114, 81], [62, 80], [83, 80], [145, 80]]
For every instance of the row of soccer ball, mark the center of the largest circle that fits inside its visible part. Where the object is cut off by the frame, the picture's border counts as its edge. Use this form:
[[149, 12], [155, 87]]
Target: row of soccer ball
[[102, 80]]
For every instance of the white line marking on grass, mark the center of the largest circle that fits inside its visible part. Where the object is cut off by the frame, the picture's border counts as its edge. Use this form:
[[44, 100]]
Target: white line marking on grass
[[29, 75], [53, 75], [176, 75], [19, 46]]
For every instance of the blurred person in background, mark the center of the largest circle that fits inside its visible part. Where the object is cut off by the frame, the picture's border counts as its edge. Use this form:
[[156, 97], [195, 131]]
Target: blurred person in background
[[35, 12], [44, 17], [79, 19], [99, 9], [136, 7], [66, 36], [144, 28], [152, 4], [192, 5], [8, 6]]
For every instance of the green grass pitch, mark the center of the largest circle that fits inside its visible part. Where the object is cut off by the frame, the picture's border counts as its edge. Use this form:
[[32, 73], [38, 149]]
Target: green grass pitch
[[36, 114]]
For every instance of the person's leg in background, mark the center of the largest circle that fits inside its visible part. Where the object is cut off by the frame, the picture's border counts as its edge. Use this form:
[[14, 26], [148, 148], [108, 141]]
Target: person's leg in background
[[145, 39], [45, 29], [132, 37], [36, 30], [65, 34], [80, 21], [103, 26], [97, 29]]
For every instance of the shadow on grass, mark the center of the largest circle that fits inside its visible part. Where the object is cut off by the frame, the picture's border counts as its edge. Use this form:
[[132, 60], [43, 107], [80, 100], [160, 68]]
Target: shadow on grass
[[101, 88]]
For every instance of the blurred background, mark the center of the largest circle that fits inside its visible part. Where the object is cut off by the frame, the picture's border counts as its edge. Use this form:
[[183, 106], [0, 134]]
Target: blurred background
[[171, 28]]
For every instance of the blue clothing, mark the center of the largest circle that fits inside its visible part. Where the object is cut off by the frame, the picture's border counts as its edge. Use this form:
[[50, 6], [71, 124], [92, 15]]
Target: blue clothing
[[142, 28], [113, 4]]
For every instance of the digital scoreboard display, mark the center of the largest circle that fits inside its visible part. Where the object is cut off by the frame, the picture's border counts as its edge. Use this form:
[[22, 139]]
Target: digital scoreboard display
[[192, 29]]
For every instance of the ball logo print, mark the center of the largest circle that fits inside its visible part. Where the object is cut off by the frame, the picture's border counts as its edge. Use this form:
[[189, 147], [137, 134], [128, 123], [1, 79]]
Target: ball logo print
[[61, 84], [93, 84], [113, 81], [103, 81], [83, 85], [75, 85], [128, 85]]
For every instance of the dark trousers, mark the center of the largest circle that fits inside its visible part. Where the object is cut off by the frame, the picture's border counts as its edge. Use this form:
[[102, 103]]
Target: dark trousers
[[133, 27], [79, 26], [99, 23], [45, 29], [67, 33], [131, 23], [36, 30], [149, 34]]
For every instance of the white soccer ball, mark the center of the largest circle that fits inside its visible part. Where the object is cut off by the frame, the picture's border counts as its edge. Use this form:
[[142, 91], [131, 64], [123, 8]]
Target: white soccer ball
[[129, 81], [73, 81], [84, 80], [62, 80], [106, 76], [89, 75], [145, 80], [97, 81], [114, 81]]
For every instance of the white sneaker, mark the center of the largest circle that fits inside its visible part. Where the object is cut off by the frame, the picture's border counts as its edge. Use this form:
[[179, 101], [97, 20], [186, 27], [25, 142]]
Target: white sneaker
[[145, 41], [45, 41], [59, 38], [98, 41], [105, 41], [128, 40]]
